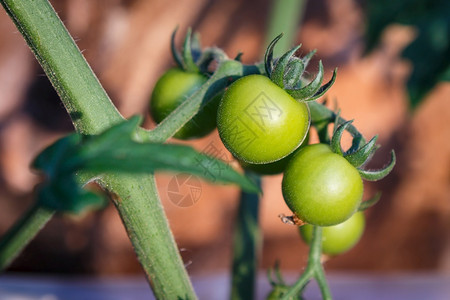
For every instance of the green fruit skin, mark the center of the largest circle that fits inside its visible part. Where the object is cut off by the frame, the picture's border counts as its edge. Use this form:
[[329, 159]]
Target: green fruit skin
[[174, 87], [259, 122], [339, 238], [321, 187], [275, 167]]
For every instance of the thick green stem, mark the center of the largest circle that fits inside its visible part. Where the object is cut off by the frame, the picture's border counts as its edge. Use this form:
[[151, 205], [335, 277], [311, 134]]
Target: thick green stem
[[92, 111], [149, 231], [285, 17], [23, 231], [85, 99], [246, 246]]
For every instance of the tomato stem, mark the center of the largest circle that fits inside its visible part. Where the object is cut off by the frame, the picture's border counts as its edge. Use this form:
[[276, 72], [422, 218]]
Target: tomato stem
[[314, 269], [22, 232], [226, 72], [246, 245], [92, 112]]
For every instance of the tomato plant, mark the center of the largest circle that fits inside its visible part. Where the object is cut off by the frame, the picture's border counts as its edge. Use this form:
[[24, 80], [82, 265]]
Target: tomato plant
[[321, 187], [174, 87], [262, 118], [259, 122], [338, 238]]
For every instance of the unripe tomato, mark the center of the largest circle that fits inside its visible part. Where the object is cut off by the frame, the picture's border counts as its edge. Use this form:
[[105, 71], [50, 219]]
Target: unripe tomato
[[259, 122], [321, 187], [174, 87], [339, 238]]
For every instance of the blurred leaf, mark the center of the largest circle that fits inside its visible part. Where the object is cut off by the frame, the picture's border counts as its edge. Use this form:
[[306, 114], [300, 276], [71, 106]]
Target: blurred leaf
[[115, 151], [430, 50]]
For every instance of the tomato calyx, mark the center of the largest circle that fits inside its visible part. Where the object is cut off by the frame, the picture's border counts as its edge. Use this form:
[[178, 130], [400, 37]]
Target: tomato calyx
[[192, 57], [359, 154], [287, 72], [369, 203]]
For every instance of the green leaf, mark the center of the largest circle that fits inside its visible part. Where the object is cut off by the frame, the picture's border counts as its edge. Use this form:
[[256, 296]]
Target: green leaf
[[115, 151], [430, 56], [429, 52]]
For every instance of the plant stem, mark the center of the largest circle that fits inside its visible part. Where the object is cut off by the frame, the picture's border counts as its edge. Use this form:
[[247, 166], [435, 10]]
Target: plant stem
[[246, 246], [85, 99], [143, 217], [23, 231], [92, 111], [321, 115], [314, 269], [322, 282], [226, 73], [285, 16]]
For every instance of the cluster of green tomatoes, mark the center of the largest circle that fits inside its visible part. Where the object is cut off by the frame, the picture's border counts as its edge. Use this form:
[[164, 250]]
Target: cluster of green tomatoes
[[264, 121]]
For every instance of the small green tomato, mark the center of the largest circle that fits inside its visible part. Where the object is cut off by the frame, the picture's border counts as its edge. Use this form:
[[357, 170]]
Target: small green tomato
[[321, 187], [259, 122], [172, 89], [339, 238]]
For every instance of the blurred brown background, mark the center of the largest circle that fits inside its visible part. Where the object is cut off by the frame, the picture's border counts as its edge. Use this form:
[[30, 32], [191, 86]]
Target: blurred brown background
[[127, 44]]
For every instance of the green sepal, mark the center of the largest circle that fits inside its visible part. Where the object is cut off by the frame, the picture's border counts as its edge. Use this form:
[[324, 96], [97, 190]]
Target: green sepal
[[192, 57], [294, 72], [268, 56], [175, 54], [369, 203], [307, 58], [335, 143], [238, 56], [188, 59], [357, 142], [374, 175], [274, 275], [277, 75], [196, 46], [309, 90], [207, 56], [323, 89], [360, 156]]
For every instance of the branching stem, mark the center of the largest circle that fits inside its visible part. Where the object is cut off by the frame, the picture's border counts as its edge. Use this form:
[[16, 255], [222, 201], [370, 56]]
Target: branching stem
[[314, 269]]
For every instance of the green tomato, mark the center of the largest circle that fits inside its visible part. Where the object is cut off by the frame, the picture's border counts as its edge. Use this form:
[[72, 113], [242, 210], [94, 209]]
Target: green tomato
[[259, 122], [339, 238], [174, 87], [321, 187], [275, 167]]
